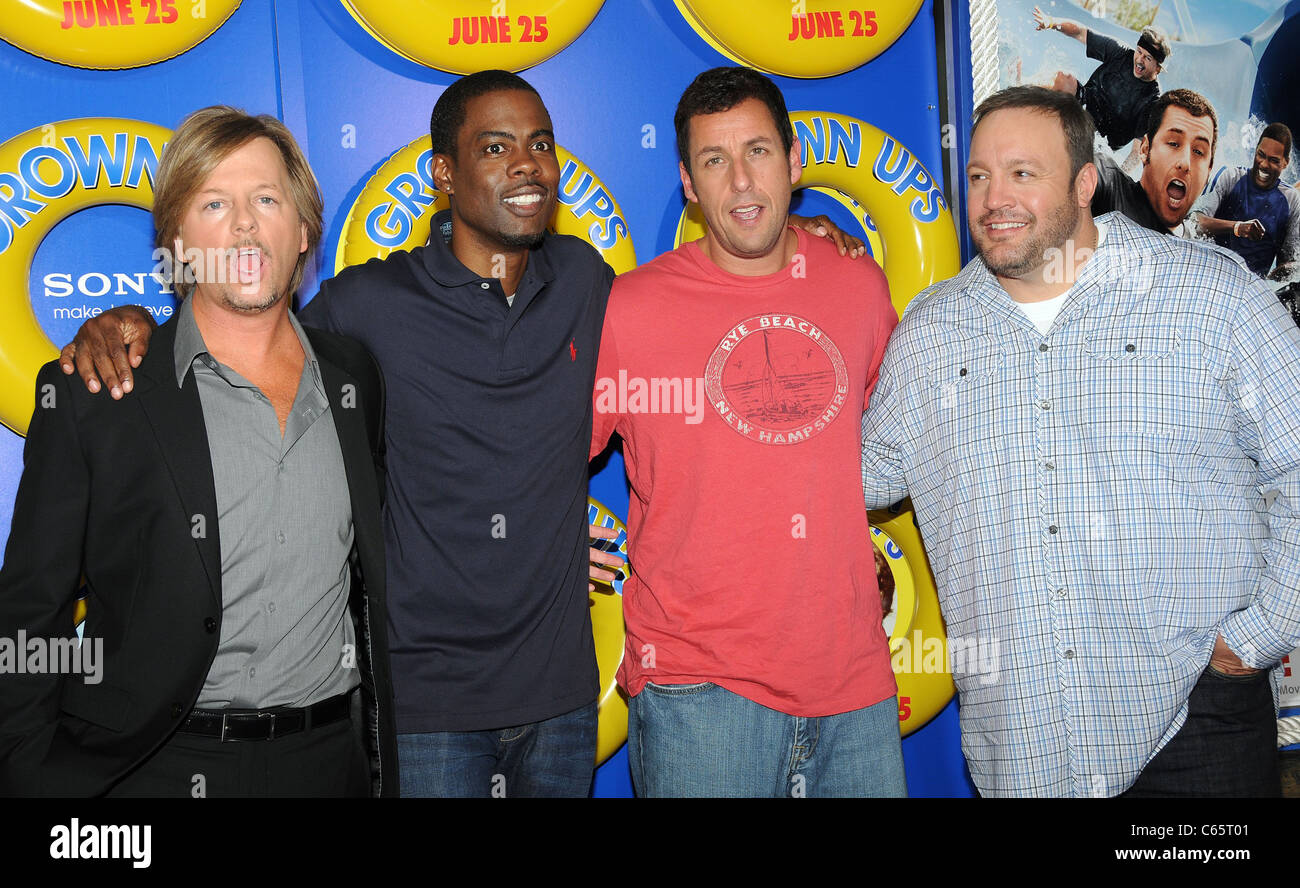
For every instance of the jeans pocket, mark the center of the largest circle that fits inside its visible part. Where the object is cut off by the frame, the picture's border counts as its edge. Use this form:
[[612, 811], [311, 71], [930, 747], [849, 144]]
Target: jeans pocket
[[679, 690]]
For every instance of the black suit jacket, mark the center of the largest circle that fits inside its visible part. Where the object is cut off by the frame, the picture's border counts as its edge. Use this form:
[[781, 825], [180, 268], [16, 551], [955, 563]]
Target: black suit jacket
[[122, 493]]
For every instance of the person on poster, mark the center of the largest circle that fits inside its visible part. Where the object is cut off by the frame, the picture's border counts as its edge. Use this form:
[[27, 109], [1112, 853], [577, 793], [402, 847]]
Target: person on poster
[[1122, 87], [1085, 418], [755, 661], [226, 520], [1177, 153], [1253, 213], [488, 339]]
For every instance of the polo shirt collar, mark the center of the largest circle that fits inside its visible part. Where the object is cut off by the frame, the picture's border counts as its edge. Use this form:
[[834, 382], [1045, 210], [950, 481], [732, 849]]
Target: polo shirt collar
[[449, 271]]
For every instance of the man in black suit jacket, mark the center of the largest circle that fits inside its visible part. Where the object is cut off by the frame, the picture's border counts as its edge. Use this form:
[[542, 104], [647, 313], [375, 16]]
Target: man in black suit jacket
[[160, 502]]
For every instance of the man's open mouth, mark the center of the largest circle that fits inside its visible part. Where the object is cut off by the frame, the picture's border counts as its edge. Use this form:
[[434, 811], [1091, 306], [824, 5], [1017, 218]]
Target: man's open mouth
[[248, 264], [1176, 191]]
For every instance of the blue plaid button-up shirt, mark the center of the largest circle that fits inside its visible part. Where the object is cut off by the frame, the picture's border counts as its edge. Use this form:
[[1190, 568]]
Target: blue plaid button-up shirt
[[1093, 501]]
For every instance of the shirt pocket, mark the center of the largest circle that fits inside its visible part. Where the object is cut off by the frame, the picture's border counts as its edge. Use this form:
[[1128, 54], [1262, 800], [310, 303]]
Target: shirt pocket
[[960, 393], [1140, 414]]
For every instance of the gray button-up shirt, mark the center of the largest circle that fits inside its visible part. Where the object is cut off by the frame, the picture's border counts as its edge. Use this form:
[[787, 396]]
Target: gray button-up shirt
[[285, 522]]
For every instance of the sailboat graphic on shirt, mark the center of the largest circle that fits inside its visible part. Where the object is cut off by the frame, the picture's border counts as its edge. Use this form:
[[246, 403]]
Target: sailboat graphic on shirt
[[782, 385], [777, 405]]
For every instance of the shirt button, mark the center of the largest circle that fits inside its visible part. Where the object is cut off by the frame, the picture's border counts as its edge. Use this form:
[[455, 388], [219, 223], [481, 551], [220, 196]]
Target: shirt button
[[210, 625], [1130, 348], [1049, 465], [252, 672], [271, 607], [1051, 529], [177, 710], [962, 372], [1042, 346], [1069, 655], [1060, 593], [485, 285], [279, 536], [1045, 404]]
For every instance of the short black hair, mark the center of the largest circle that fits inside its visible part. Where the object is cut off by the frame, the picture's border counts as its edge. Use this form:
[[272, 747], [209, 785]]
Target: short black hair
[[1193, 103], [721, 89], [1075, 121], [449, 111], [1278, 132]]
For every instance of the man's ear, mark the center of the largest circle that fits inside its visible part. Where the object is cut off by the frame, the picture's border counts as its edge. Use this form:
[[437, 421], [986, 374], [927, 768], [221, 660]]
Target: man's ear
[[796, 161], [1144, 150], [442, 173], [1085, 185], [687, 187], [302, 247]]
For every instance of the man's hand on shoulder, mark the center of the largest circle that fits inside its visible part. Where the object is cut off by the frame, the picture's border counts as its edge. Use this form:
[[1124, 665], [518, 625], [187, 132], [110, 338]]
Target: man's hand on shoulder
[[107, 347], [822, 226]]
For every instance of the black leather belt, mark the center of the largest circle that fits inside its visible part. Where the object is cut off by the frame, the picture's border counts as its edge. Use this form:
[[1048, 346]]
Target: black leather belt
[[264, 724]]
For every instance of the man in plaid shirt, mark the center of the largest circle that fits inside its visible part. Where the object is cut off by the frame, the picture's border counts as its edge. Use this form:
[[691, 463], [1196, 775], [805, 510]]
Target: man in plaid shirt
[[1091, 419]]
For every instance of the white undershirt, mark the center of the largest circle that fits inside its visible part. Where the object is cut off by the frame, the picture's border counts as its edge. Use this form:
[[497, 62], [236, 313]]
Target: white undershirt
[[1042, 314]]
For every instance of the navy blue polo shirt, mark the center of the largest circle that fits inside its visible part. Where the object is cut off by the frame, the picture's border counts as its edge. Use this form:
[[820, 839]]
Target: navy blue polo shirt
[[488, 424]]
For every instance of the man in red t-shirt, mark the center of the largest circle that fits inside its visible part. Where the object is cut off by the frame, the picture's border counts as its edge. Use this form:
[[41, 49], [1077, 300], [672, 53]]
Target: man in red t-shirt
[[736, 368]]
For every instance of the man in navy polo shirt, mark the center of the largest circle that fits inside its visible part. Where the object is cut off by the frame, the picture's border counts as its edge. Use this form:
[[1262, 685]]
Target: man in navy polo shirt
[[488, 337]]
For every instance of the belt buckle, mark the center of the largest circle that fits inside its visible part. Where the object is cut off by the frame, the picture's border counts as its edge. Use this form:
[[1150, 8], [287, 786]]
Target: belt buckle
[[225, 723]]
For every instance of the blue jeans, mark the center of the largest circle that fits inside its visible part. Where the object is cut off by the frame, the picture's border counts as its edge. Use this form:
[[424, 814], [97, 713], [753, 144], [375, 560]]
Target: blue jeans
[[703, 740], [553, 758]]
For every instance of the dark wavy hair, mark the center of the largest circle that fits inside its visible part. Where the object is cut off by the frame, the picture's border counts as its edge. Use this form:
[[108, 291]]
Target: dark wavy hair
[[1193, 103], [721, 89]]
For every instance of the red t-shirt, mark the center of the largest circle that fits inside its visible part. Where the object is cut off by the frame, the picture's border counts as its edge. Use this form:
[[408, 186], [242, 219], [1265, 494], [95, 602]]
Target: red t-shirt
[[739, 401]]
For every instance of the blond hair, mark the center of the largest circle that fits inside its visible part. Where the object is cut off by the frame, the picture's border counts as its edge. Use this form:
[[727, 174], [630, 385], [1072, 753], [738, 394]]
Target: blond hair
[[202, 141]]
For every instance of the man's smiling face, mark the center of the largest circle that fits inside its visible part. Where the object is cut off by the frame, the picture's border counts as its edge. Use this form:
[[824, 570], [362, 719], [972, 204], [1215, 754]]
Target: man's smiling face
[[1270, 160], [504, 177], [1021, 200]]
